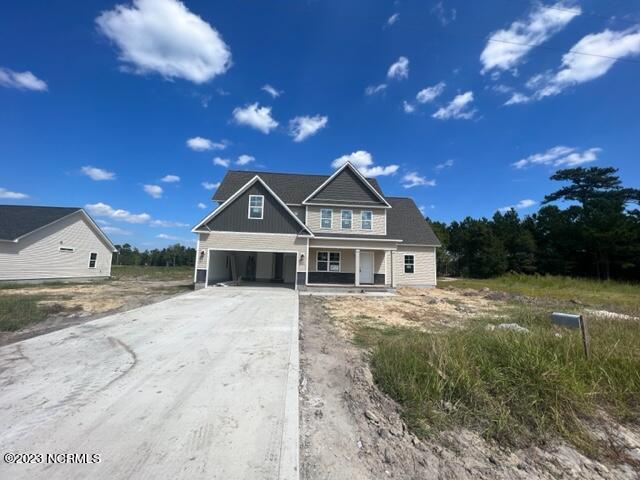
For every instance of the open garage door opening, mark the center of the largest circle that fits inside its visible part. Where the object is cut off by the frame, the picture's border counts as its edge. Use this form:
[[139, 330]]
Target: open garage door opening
[[251, 268]]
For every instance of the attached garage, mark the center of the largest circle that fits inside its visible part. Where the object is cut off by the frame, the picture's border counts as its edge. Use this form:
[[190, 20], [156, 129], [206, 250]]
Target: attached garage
[[247, 267]]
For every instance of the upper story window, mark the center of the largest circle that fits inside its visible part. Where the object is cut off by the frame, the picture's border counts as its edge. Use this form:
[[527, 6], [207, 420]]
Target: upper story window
[[346, 216], [409, 262], [326, 218], [93, 259], [366, 217], [256, 207]]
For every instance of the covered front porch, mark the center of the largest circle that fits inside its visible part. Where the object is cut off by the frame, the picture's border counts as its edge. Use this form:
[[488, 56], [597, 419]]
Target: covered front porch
[[349, 265]]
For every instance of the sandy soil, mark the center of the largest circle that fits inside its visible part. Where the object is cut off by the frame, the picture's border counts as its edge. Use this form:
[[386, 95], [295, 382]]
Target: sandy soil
[[80, 302], [349, 429], [423, 309]]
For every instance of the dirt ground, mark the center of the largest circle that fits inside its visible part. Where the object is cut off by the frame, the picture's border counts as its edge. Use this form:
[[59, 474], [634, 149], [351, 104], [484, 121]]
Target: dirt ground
[[349, 429], [77, 303]]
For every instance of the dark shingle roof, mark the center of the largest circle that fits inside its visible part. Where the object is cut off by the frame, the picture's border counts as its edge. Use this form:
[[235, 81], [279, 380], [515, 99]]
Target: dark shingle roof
[[18, 220], [405, 221], [290, 187]]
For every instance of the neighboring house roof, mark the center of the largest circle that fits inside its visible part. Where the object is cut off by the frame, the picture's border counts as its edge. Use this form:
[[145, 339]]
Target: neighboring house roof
[[292, 188], [16, 221], [405, 221]]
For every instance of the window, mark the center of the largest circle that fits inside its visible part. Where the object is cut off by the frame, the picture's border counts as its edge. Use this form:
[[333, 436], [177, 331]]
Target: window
[[408, 263], [326, 218], [256, 206], [328, 262], [346, 219], [93, 258], [366, 217], [67, 249]]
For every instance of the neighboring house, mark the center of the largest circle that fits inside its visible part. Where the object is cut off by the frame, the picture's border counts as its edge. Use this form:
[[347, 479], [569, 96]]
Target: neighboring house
[[307, 230], [44, 243]]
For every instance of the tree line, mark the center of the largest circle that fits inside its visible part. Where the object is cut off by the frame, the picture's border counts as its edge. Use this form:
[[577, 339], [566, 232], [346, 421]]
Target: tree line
[[172, 256], [597, 234]]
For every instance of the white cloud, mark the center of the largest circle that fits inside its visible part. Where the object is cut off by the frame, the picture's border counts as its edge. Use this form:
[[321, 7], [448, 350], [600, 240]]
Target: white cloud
[[103, 210], [522, 204], [517, 98], [21, 80], [400, 69], [445, 17], [165, 236], [412, 179], [202, 205], [458, 108], [201, 144], [505, 49], [590, 58], [443, 165], [306, 126], [154, 191], [97, 174], [423, 208], [392, 20], [163, 36], [170, 179], [374, 89], [272, 90], [115, 231], [363, 161], [560, 156], [244, 160], [429, 94], [408, 107], [210, 186], [4, 193], [222, 162], [256, 117], [167, 224]]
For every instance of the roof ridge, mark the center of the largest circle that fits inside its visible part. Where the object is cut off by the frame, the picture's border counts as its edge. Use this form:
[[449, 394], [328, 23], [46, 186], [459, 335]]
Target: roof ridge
[[38, 206], [279, 173]]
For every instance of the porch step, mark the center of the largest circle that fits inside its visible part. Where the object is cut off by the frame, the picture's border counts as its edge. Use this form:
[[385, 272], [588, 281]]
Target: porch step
[[346, 289]]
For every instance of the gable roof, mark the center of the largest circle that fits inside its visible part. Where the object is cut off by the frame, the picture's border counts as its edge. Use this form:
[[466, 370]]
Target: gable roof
[[354, 173], [292, 188], [405, 221], [17, 221], [230, 200]]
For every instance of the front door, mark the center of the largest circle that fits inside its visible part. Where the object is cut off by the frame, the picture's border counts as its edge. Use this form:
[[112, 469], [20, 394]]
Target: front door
[[366, 267]]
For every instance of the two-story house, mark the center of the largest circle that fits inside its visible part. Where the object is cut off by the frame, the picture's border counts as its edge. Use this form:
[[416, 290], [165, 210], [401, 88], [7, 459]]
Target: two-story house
[[306, 230]]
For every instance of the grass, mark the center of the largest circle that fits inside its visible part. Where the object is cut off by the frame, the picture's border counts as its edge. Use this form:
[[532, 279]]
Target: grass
[[127, 272], [18, 311], [587, 291], [514, 388]]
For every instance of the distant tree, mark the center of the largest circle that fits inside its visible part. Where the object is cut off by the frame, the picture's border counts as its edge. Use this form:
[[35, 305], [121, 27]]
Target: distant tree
[[606, 227], [172, 256], [519, 243], [478, 251]]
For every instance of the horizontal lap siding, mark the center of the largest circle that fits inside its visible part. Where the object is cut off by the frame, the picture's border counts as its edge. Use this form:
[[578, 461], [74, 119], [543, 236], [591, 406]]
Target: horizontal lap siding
[[250, 242], [38, 255], [347, 259], [424, 266], [378, 222]]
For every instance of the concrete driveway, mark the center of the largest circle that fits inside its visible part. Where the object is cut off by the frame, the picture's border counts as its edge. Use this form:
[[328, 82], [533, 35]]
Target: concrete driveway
[[204, 385]]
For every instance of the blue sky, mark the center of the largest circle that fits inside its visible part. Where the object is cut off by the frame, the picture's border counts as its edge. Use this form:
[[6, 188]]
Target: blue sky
[[465, 106]]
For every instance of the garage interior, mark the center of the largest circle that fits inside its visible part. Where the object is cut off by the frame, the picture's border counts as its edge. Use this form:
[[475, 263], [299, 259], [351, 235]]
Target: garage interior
[[239, 267]]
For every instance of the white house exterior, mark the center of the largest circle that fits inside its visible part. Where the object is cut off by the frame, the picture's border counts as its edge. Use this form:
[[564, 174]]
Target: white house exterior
[[47, 243], [335, 230]]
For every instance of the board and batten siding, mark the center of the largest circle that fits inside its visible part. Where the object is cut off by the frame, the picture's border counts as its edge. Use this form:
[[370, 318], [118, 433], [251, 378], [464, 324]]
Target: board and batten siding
[[378, 221], [38, 256], [424, 266], [256, 242]]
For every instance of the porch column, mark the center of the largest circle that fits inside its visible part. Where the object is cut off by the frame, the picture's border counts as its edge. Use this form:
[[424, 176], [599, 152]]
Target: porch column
[[357, 267], [386, 268]]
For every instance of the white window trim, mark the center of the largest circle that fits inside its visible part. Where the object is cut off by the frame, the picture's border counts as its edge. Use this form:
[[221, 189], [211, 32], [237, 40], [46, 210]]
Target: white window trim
[[370, 220], [261, 197], [95, 265], [64, 249], [328, 252], [330, 210], [404, 263], [351, 220]]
